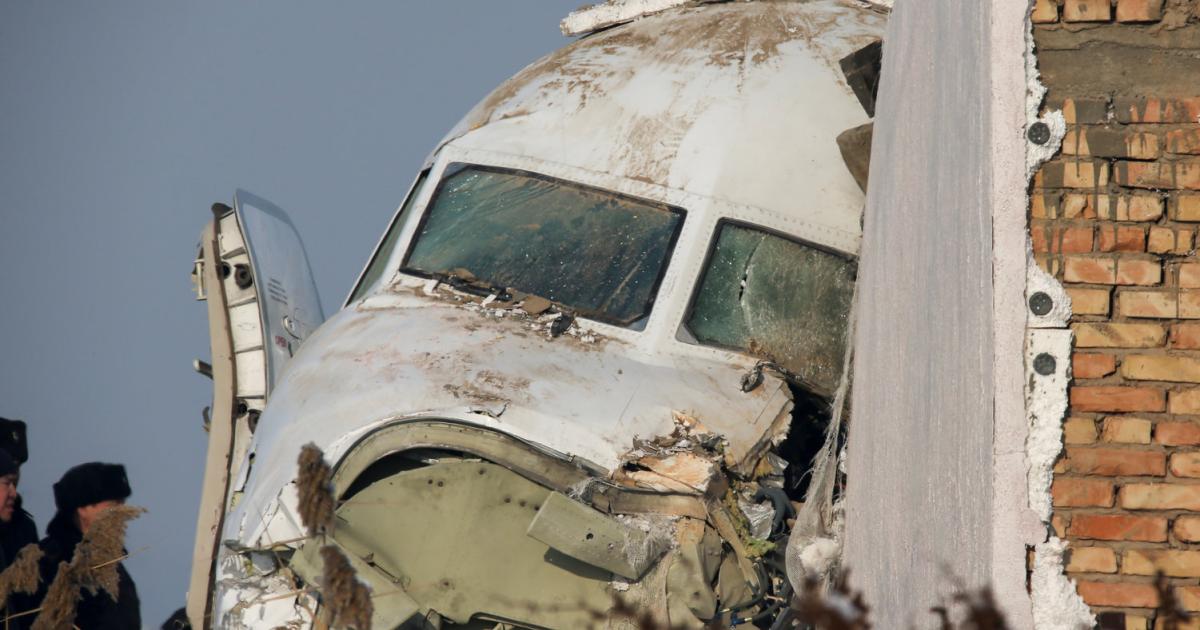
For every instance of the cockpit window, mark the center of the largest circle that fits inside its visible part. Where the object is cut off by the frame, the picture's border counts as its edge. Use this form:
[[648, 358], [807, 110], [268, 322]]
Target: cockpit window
[[596, 252], [777, 299], [382, 253]]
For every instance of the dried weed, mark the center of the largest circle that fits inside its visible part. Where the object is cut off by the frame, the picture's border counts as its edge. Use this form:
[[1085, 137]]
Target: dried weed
[[347, 601], [314, 485], [22, 576]]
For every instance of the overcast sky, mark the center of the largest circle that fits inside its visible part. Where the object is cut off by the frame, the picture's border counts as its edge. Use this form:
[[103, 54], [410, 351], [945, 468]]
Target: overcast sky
[[120, 124]]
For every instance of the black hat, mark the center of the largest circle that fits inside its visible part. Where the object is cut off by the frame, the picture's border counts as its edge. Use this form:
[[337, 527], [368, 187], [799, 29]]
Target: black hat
[[12, 439], [8, 465], [91, 483]]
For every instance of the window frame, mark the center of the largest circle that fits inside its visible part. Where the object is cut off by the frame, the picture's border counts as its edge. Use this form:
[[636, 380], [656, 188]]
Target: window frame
[[396, 225], [454, 168], [698, 281]]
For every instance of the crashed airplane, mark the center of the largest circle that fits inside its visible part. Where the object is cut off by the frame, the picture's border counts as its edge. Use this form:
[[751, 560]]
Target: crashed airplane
[[593, 360]]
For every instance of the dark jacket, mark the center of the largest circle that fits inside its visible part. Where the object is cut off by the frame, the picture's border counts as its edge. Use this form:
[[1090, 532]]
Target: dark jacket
[[15, 535], [95, 611]]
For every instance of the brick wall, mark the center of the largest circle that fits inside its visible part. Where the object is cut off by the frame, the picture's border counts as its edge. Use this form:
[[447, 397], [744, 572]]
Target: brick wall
[[1114, 217]]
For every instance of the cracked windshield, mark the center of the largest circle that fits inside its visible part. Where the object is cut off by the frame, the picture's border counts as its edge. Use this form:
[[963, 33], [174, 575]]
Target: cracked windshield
[[777, 299], [596, 252]]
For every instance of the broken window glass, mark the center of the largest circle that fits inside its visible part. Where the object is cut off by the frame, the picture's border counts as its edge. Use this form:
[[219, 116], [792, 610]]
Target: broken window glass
[[376, 267], [597, 252], [777, 299]]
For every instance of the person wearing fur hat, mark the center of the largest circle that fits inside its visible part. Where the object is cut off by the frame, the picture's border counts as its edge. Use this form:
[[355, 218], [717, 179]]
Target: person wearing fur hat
[[81, 496], [17, 528]]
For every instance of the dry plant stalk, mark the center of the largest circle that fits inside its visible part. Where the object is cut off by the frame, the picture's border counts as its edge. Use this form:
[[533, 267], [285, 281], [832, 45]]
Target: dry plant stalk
[[347, 601], [92, 568], [22, 576], [314, 486], [58, 608]]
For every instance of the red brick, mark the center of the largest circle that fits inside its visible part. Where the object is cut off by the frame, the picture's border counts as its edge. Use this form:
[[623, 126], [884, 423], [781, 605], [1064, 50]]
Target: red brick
[[1184, 402], [1165, 240], [1103, 335], [1126, 430], [1091, 560], [1078, 206], [1059, 240], [1185, 336], [1110, 142], [1185, 465], [1139, 10], [1159, 367], [1157, 110], [1189, 275], [1187, 528], [1080, 492], [1090, 269], [1086, 365], [1159, 175], [1117, 399], [1140, 272], [1134, 207], [1187, 208], [1177, 433], [1044, 11], [1121, 238], [1118, 527], [1189, 304], [1160, 496], [1089, 301], [1073, 173], [1189, 599], [1118, 594], [1115, 462], [1152, 304], [1087, 11], [1184, 141], [1171, 562], [1079, 431]]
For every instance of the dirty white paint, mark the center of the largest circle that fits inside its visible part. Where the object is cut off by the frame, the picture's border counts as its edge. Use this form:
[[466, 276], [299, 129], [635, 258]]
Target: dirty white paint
[[611, 13], [727, 111]]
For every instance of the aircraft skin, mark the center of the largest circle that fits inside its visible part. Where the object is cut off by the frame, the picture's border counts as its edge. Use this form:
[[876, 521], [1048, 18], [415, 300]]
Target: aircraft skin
[[600, 384]]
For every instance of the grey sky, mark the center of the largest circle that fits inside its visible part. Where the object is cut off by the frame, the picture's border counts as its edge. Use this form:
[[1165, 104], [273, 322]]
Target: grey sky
[[120, 123]]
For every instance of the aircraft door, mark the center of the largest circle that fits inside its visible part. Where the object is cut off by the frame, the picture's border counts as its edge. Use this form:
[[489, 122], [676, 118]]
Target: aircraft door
[[262, 305]]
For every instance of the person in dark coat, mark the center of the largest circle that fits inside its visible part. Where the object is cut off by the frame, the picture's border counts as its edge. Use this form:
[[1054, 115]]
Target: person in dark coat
[[17, 528], [82, 494]]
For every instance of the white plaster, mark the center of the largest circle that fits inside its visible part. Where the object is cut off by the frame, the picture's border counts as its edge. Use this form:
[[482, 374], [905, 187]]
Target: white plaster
[[1046, 404], [1035, 154], [1056, 604], [1037, 280]]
